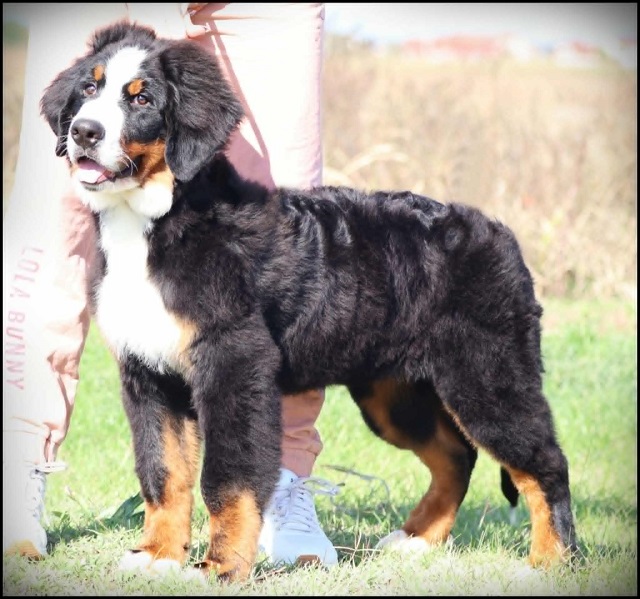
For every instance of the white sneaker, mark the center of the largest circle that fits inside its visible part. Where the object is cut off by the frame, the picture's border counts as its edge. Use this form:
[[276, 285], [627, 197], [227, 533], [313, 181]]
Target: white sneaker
[[24, 487], [291, 532]]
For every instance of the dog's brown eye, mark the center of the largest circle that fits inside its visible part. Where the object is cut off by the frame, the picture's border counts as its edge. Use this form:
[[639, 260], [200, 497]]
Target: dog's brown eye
[[140, 99], [90, 89]]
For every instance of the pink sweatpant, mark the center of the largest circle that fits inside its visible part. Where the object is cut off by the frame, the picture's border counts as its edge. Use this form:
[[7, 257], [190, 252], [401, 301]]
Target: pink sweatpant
[[272, 55]]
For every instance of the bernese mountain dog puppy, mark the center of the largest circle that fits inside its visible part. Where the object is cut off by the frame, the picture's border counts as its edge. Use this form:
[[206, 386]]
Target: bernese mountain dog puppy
[[217, 296]]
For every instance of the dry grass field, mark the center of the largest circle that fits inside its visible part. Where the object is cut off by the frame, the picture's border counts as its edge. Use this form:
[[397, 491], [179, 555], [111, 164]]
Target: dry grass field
[[549, 150]]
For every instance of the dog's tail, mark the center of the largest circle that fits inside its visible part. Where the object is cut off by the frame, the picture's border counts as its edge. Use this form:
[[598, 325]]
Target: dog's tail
[[510, 492]]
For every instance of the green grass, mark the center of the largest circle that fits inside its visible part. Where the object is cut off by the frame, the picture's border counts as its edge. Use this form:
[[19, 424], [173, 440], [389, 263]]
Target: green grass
[[591, 381]]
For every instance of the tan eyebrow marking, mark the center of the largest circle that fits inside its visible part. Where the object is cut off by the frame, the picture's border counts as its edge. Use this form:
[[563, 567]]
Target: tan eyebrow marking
[[135, 87], [98, 72]]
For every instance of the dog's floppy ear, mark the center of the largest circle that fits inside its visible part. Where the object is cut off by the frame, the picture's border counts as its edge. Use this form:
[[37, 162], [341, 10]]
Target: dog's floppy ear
[[202, 112], [56, 104]]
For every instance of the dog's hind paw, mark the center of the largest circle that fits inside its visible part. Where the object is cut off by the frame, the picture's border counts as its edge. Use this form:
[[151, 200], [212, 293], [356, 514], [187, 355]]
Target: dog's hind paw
[[400, 541], [142, 561]]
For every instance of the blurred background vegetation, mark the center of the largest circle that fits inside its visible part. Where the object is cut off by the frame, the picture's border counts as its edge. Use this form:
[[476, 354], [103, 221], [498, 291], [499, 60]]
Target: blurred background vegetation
[[550, 150]]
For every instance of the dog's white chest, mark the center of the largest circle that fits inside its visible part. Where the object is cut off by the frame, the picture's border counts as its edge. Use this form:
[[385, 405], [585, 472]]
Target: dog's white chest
[[130, 311]]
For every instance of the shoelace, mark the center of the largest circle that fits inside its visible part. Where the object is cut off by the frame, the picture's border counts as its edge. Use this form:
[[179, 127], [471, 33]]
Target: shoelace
[[293, 505]]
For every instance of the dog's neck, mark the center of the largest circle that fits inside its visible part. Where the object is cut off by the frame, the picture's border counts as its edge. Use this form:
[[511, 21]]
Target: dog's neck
[[219, 180]]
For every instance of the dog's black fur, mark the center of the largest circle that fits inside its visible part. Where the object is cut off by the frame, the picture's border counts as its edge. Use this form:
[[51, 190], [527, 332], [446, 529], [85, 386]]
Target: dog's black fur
[[425, 311]]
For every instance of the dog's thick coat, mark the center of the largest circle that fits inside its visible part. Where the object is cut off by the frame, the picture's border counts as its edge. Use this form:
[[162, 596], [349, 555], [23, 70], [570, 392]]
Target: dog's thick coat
[[218, 296]]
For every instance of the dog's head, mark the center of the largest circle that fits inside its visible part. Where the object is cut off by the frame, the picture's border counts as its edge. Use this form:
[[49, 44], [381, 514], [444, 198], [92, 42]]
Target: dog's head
[[136, 105]]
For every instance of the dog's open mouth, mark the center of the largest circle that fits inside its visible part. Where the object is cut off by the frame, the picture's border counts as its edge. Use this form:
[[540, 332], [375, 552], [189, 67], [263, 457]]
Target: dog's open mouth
[[91, 174]]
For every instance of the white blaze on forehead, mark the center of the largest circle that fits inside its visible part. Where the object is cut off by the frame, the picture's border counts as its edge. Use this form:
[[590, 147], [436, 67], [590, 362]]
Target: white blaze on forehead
[[124, 66], [120, 70]]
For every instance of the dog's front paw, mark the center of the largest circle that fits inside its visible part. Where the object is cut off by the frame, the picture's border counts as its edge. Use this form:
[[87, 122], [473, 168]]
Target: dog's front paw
[[400, 541], [137, 560]]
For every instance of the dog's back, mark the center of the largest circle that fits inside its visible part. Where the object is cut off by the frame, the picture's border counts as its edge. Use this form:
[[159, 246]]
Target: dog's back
[[360, 281]]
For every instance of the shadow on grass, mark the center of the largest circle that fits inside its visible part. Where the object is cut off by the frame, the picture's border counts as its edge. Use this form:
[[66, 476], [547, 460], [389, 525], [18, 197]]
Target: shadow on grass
[[355, 529], [128, 516], [356, 526], [602, 509]]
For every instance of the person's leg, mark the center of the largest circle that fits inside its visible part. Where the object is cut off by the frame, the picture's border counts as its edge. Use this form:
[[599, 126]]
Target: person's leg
[[301, 442], [272, 54], [48, 240], [292, 532]]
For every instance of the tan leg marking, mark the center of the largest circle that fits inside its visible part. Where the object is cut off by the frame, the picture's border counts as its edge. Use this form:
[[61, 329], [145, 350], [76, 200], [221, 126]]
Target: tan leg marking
[[434, 517], [234, 537], [547, 547], [167, 525]]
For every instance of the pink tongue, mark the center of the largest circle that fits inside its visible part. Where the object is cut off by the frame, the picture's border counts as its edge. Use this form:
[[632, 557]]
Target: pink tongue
[[91, 172]]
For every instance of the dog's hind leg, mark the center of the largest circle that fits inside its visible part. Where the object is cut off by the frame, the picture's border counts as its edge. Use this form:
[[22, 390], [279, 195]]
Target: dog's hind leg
[[166, 447], [411, 416], [495, 396]]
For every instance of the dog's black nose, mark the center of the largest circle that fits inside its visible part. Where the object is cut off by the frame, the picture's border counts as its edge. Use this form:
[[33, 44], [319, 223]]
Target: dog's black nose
[[87, 133]]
